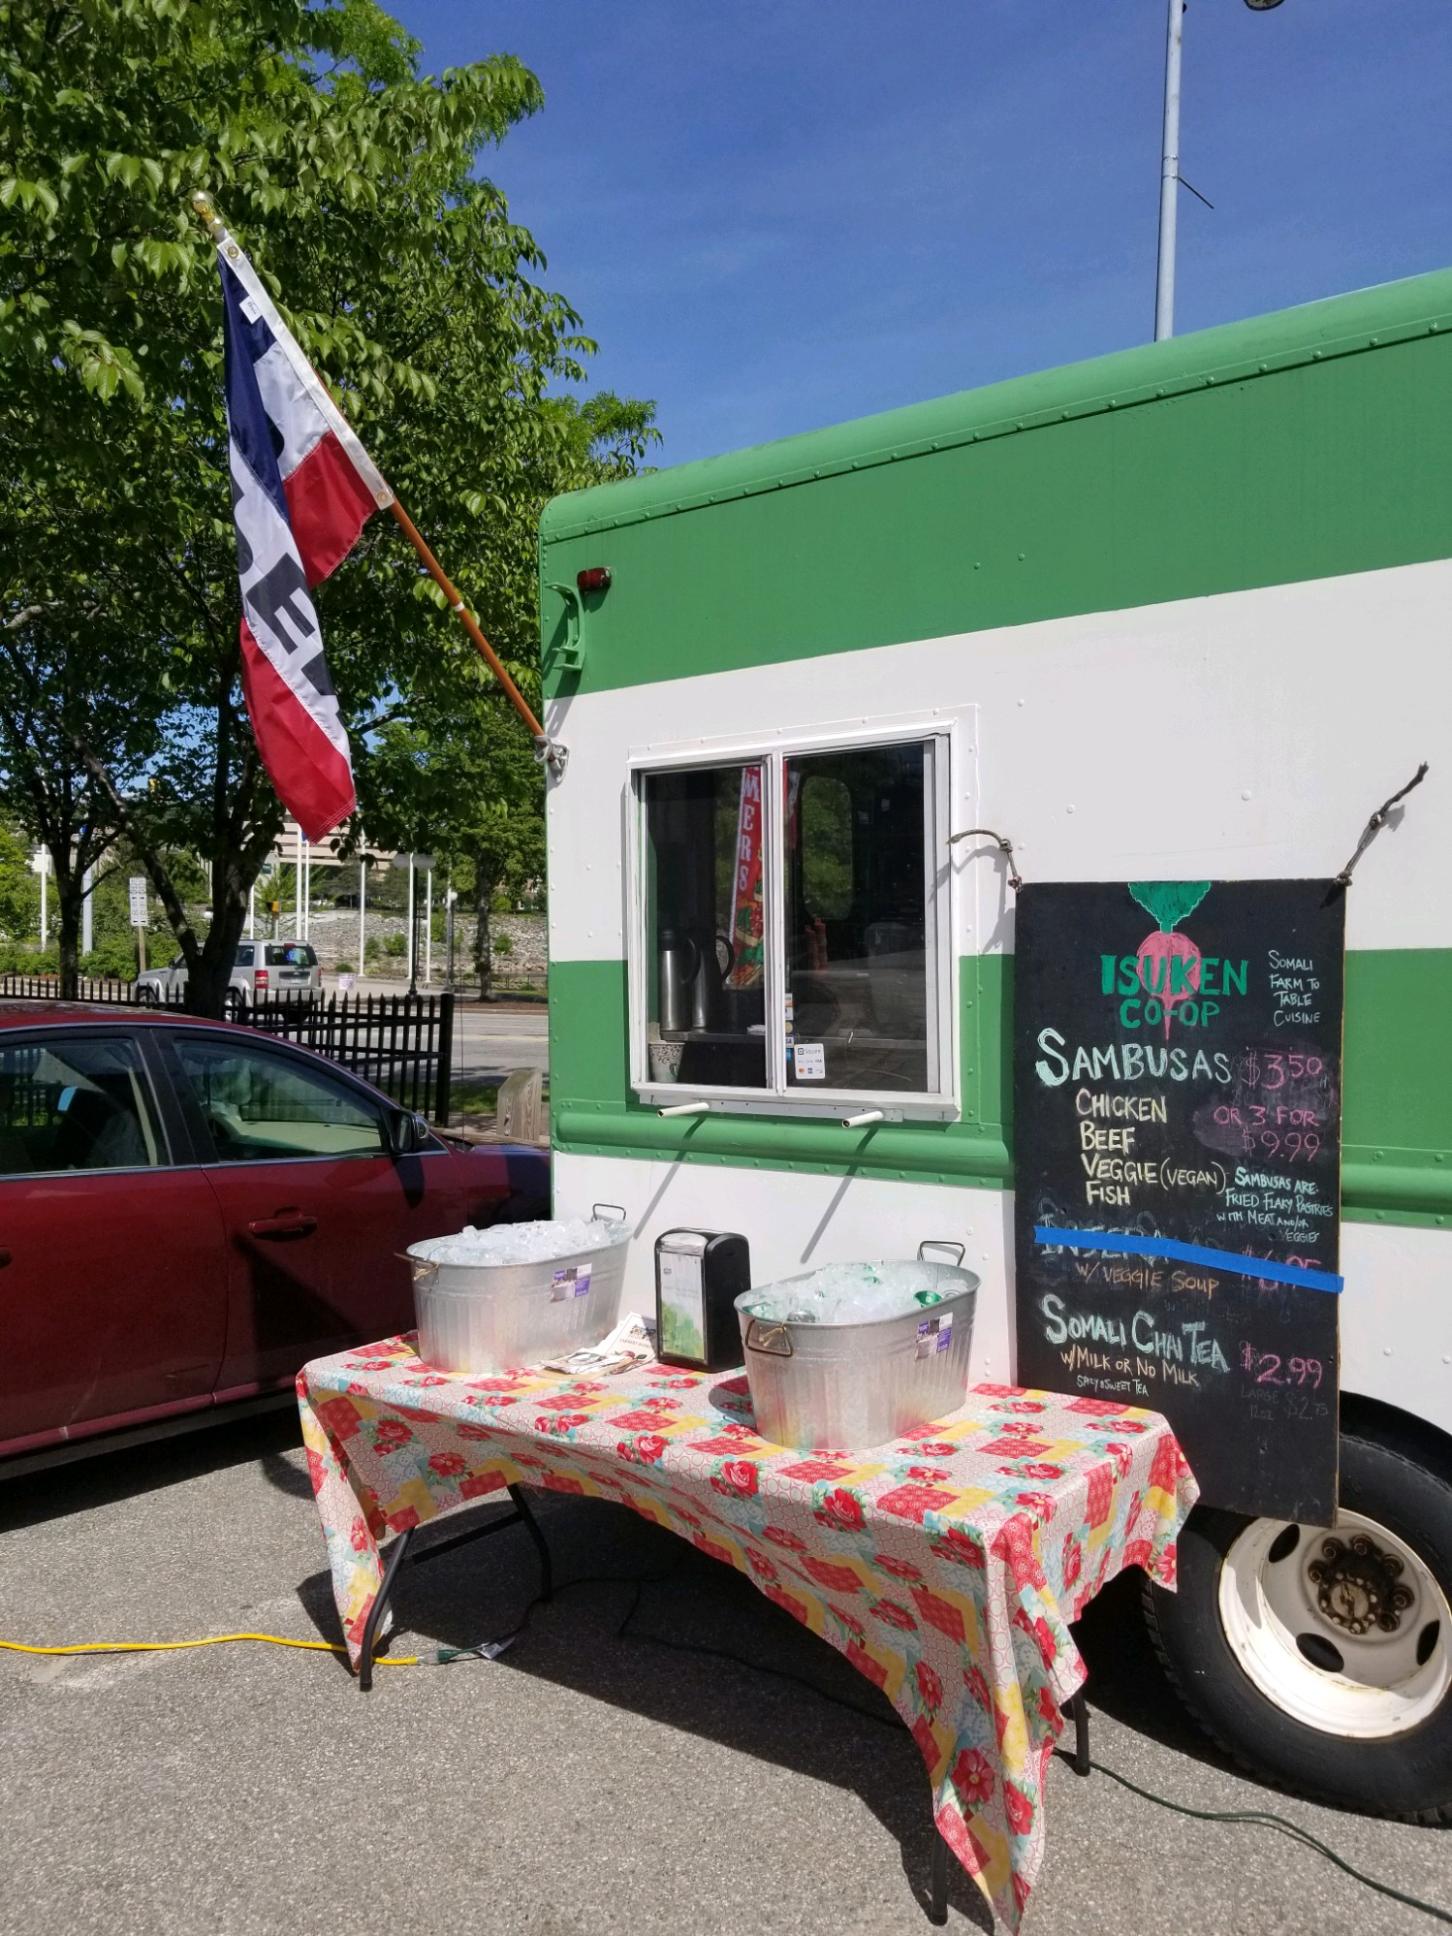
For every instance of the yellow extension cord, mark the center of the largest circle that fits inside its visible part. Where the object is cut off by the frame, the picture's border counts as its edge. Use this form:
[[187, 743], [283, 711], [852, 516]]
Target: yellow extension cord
[[212, 1640]]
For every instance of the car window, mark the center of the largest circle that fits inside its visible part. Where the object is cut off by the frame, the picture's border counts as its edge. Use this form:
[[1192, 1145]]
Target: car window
[[261, 1105], [75, 1103], [244, 956], [290, 954]]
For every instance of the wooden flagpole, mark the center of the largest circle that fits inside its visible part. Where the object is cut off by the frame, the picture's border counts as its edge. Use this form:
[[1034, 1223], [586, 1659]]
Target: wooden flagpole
[[435, 570], [553, 755]]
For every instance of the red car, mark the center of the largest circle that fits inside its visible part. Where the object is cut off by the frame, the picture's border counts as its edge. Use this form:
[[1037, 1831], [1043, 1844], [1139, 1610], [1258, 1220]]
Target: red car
[[189, 1211]]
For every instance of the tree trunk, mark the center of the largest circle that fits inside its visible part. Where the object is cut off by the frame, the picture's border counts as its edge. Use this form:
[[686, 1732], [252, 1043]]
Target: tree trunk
[[208, 977], [70, 894], [68, 863]]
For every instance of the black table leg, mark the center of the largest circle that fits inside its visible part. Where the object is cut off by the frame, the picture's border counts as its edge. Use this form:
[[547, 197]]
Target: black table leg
[[1079, 1709], [399, 1549], [531, 1526], [938, 1888], [380, 1607]]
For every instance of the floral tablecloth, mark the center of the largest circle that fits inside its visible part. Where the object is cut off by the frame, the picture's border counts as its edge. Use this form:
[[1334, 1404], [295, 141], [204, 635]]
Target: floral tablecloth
[[945, 1566]]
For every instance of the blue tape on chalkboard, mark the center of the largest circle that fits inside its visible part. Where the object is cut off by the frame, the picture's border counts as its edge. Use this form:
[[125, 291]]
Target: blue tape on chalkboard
[[1171, 1247]]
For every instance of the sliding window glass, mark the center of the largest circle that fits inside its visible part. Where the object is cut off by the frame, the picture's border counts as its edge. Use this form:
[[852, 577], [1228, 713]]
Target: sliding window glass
[[705, 859], [861, 967]]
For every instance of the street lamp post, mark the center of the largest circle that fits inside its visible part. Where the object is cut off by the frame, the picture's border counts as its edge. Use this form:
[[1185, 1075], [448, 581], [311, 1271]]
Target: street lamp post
[[1169, 175], [1170, 165], [412, 928]]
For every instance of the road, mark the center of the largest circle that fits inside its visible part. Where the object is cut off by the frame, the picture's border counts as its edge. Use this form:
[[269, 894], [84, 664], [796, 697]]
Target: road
[[492, 1041], [587, 1784]]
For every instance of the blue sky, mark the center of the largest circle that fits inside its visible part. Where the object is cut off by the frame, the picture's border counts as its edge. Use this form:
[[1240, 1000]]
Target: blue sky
[[777, 216]]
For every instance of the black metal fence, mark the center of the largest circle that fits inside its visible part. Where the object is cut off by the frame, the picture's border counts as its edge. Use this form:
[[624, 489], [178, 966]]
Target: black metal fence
[[107, 989], [402, 1044]]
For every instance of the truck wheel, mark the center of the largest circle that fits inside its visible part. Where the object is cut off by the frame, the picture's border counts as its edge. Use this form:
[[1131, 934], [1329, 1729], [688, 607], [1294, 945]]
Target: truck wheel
[[1322, 1660]]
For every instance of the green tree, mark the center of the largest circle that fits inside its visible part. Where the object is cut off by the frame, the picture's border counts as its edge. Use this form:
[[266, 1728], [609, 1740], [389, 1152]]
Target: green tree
[[51, 695], [458, 778], [19, 889], [469, 790], [350, 179]]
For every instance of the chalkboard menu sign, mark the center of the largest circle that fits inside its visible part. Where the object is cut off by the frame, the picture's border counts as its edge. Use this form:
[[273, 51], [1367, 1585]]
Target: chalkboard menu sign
[[1177, 1154]]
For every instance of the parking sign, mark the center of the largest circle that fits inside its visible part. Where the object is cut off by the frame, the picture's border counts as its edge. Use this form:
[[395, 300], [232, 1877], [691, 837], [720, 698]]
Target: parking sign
[[139, 915]]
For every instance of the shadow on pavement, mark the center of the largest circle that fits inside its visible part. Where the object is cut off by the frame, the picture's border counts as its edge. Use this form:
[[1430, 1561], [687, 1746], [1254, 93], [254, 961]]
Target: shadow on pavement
[[1128, 1683], [676, 1601], [105, 1476], [742, 1690]]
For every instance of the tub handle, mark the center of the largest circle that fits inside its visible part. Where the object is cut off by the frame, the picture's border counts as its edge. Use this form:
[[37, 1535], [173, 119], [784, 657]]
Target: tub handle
[[759, 1338], [618, 1208], [942, 1243], [420, 1266]]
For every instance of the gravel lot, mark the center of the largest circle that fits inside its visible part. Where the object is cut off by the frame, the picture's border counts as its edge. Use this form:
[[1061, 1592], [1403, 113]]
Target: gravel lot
[[586, 1782]]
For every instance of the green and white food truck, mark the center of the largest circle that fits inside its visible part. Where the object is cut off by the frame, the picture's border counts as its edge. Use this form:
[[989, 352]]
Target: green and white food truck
[[1180, 612]]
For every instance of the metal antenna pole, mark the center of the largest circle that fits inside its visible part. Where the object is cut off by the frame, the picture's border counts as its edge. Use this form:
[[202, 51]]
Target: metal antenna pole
[[1169, 174], [412, 928]]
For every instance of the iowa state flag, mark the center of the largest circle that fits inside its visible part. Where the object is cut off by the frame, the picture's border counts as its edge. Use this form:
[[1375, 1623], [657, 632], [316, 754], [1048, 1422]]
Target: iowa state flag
[[303, 487]]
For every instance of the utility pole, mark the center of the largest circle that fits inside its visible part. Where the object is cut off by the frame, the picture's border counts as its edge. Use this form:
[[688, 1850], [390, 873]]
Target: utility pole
[[1170, 176], [412, 930]]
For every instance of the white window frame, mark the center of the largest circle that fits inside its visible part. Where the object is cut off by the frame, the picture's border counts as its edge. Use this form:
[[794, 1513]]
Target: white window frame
[[772, 751]]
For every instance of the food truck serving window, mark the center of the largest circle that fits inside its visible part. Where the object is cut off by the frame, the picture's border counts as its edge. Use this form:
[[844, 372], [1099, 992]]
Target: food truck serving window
[[791, 931]]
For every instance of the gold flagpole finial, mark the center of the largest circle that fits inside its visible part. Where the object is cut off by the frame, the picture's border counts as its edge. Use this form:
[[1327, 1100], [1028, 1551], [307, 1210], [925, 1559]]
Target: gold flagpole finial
[[202, 206]]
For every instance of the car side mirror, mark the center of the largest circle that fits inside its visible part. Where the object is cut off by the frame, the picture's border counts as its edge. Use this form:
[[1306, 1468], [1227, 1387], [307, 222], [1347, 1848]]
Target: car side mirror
[[408, 1132]]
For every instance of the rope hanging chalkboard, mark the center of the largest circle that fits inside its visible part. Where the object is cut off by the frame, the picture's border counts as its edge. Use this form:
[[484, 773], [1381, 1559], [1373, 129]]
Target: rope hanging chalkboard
[[1377, 821], [1368, 834], [1001, 841]]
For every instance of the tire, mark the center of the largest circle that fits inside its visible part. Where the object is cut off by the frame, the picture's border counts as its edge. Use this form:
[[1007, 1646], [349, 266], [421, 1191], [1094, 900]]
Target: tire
[[1253, 1655], [234, 1004]]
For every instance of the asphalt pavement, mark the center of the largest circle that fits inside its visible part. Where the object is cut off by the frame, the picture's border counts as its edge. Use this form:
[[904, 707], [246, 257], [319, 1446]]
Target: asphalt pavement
[[490, 1042], [491, 1039], [589, 1783]]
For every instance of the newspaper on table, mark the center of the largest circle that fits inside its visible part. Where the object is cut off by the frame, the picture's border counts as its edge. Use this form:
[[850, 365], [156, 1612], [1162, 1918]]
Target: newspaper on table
[[630, 1344]]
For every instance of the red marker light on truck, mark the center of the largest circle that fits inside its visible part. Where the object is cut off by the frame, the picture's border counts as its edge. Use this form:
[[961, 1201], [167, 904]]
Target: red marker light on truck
[[595, 579]]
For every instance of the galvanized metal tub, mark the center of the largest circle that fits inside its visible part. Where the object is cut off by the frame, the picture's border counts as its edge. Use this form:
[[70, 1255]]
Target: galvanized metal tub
[[490, 1317], [857, 1385]]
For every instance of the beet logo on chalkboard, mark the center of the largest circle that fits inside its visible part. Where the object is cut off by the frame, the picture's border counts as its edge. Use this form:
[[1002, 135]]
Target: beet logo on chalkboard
[[1168, 962], [1169, 969]]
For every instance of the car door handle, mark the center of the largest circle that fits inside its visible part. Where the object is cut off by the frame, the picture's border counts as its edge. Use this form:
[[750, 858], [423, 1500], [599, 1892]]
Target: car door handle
[[4, 1258], [287, 1223]]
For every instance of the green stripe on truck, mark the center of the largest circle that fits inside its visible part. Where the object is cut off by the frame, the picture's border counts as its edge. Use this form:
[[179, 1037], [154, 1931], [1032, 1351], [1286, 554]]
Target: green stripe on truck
[[1308, 444], [1397, 1154]]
